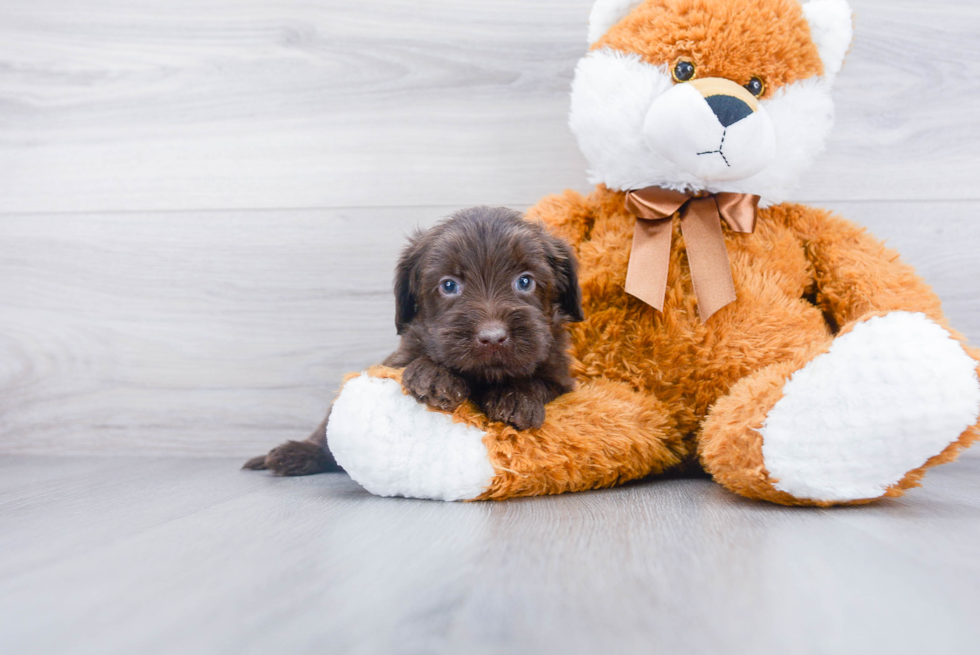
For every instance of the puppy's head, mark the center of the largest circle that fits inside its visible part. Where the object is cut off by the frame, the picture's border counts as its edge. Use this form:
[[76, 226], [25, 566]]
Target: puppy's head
[[487, 293]]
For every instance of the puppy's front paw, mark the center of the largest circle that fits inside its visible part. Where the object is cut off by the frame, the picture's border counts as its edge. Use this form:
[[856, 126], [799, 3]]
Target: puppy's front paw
[[513, 405], [434, 385]]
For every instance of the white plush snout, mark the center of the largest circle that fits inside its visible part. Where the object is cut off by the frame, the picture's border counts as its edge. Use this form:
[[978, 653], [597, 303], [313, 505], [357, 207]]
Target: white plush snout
[[637, 129], [682, 127]]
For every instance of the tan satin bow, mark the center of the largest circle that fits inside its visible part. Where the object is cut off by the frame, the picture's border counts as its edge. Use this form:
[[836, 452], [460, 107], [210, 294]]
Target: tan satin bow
[[701, 217]]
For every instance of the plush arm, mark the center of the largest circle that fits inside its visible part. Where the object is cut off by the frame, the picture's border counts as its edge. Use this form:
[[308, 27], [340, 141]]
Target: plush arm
[[855, 275]]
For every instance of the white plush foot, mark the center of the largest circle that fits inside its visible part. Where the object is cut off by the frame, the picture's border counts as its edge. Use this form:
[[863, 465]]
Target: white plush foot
[[393, 446], [889, 395]]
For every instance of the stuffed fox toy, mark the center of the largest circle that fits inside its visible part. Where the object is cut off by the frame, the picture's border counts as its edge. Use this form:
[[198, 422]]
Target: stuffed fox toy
[[779, 348]]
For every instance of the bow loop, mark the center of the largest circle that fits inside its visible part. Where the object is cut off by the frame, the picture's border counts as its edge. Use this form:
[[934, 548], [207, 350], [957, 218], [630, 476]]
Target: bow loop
[[701, 218], [655, 203], [738, 210]]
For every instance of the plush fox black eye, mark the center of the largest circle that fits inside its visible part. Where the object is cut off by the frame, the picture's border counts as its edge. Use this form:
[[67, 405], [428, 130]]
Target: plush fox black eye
[[524, 283], [756, 87], [684, 71], [450, 287]]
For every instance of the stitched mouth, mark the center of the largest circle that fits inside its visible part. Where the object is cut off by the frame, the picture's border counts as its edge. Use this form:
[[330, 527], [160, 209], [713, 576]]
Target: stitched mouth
[[721, 147]]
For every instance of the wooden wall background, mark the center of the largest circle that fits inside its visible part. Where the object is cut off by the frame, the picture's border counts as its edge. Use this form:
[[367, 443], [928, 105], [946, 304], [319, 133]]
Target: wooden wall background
[[201, 200]]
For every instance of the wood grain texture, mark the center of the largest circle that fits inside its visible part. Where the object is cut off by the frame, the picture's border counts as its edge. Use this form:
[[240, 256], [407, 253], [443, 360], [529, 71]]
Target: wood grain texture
[[121, 555], [225, 333], [226, 104], [166, 290], [184, 333]]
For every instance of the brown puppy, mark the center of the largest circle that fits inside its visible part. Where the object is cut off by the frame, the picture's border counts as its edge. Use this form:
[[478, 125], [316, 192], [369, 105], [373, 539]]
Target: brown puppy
[[481, 304], [482, 300]]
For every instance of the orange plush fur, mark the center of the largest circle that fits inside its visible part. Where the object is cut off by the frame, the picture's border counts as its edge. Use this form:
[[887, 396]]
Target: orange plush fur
[[663, 391], [717, 380], [733, 40], [564, 454], [803, 277], [665, 388]]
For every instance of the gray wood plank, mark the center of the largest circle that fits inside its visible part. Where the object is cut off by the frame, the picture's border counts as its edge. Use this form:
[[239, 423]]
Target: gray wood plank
[[180, 555], [110, 321], [940, 239], [219, 104], [224, 333]]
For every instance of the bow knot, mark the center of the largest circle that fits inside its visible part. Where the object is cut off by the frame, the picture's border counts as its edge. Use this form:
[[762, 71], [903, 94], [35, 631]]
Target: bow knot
[[701, 216]]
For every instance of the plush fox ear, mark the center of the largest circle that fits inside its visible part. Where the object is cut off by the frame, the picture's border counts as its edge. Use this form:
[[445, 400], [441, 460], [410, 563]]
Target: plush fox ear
[[606, 13], [832, 27]]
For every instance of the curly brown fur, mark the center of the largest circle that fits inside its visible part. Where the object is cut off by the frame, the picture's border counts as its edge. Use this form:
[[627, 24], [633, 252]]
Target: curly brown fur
[[482, 301], [495, 336]]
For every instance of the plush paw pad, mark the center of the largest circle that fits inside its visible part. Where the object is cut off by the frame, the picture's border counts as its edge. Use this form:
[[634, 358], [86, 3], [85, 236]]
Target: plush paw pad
[[393, 446], [888, 395]]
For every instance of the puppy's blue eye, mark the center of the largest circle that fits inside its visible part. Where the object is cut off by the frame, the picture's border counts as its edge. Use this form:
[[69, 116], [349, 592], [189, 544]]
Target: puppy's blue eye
[[449, 287], [524, 283]]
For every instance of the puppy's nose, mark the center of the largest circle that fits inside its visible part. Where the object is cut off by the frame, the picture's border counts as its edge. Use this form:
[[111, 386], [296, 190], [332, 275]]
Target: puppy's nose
[[492, 334], [728, 109]]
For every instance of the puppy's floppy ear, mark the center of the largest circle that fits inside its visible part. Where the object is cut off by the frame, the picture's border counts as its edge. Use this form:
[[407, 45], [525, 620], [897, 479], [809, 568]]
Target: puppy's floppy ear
[[565, 267], [407, 281]]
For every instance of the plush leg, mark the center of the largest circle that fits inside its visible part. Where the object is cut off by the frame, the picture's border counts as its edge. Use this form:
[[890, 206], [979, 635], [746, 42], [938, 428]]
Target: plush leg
[[601, 435], [856, 419]]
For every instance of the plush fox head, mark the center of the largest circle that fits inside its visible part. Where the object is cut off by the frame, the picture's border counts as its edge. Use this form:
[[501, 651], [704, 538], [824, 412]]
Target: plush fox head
[[708, 95]]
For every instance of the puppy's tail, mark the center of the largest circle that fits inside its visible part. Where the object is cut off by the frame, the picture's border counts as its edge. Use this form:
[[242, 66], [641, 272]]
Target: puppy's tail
[[255, 464], [307, 457]]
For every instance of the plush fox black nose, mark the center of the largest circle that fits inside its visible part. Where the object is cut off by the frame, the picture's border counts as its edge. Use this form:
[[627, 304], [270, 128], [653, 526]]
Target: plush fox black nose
[[492, 334], [728, 109]]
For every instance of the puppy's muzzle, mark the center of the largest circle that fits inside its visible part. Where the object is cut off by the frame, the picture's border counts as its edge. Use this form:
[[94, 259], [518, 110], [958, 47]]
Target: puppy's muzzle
[[712, 128]]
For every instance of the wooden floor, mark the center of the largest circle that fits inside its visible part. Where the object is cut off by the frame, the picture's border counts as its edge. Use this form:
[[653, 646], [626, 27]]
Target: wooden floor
[[176, 555], [201, 203]]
